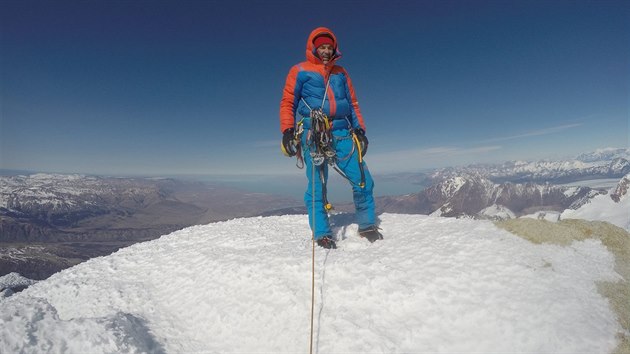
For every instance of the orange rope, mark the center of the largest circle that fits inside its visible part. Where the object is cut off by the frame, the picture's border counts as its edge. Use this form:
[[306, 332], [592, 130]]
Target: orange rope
[[313, 255]]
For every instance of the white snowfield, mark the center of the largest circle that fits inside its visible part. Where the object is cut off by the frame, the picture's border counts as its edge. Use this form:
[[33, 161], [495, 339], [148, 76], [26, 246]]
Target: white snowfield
[[244, 286]]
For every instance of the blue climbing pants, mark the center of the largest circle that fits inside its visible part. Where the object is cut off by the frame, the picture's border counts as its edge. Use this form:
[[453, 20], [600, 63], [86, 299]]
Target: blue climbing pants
[[348, 163]]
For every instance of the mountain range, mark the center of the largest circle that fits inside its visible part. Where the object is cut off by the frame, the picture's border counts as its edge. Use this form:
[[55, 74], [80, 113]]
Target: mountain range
[[470, 195], [602, 163], [50, 222], [515, 188]]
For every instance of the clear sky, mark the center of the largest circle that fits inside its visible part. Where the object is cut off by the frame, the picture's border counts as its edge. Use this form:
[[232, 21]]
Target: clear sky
[[184, 87]]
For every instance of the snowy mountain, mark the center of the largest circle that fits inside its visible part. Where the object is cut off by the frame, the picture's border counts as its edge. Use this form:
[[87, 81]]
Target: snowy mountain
[[606, 154], [433, 285], [621, 190], [12, 283], [475, 196], [603, 163], [613, 207]]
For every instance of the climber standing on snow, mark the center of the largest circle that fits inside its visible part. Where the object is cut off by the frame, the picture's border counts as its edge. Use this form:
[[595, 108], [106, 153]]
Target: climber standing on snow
[[321, 123]]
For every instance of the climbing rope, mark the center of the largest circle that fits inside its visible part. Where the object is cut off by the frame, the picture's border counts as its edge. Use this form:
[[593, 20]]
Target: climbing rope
[[313, 257]]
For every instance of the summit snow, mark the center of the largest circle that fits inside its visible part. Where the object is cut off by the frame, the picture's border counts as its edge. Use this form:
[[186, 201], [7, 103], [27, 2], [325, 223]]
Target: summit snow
[[433, 285]]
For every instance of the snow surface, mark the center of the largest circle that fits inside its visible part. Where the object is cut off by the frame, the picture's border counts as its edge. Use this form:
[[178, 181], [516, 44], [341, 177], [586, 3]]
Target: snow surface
[[433, 285]]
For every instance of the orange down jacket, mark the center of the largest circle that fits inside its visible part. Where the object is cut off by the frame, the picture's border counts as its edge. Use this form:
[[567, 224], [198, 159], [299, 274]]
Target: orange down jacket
[[306, 82]]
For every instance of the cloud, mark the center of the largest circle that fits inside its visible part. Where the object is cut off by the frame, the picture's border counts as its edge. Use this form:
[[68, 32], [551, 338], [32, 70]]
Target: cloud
[[539, 132], [442, 156], [440, 151], [439, 155]]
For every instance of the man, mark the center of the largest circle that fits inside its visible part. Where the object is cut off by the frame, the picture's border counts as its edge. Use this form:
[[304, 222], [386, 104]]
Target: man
[[321, 121]]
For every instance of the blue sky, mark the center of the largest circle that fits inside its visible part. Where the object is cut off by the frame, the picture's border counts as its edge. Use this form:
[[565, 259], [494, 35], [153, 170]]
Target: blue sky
[[193, 87]]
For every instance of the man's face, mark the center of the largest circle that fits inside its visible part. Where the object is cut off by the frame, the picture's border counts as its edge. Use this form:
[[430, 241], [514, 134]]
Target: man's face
[[325, 52]]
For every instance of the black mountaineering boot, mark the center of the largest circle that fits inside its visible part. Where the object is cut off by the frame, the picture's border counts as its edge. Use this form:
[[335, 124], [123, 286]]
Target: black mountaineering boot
[[371, 233], [326, 242]]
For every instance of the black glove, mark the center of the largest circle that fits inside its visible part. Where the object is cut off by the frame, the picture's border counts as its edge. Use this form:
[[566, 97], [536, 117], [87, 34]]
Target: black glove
[[362, 140], [288, 146]]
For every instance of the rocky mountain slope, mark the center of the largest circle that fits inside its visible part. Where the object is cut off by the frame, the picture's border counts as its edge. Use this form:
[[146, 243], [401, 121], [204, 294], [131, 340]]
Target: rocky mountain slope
[[621, 190], [470, 194]]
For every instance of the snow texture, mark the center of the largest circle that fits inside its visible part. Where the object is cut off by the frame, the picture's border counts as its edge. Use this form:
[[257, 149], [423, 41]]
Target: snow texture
[[244, 286]]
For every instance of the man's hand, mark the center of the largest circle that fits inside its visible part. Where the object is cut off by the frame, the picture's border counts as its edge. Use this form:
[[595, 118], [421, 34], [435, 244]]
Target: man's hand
[[288, 146], [362, 140]]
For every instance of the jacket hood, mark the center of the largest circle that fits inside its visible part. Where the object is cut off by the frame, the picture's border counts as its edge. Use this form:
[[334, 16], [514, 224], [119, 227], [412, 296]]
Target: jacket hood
[[310, 48]]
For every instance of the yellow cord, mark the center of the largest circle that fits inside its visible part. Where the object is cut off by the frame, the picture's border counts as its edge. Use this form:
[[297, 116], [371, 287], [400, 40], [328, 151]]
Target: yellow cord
[[358, 145]]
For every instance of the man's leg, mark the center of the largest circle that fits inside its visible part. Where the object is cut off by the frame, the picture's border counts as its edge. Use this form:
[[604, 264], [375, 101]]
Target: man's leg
[[320, 225], [362, 196]]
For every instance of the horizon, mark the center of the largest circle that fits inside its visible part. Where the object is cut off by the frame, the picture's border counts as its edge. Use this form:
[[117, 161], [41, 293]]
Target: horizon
[[292, 184], [287, 173], [180, 88]]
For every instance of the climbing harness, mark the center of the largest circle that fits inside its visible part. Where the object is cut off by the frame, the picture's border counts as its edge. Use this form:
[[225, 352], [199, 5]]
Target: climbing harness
[[319, 139], [320, 144]]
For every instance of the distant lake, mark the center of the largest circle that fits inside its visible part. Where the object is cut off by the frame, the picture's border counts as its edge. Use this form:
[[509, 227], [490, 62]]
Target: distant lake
[[294, 186], [595, 183]]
